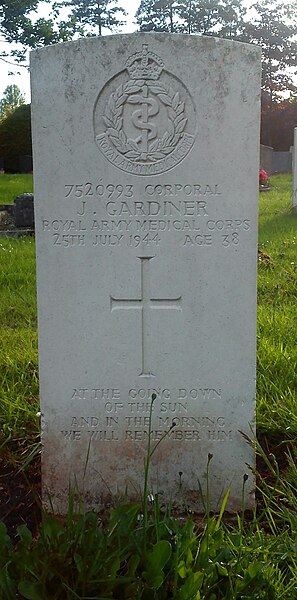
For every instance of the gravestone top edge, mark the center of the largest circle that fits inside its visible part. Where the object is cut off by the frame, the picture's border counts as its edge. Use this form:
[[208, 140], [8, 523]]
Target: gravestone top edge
[[156, 35]]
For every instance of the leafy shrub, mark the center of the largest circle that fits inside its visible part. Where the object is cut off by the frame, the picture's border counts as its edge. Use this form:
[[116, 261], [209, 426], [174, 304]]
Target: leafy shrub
[[15, 137]]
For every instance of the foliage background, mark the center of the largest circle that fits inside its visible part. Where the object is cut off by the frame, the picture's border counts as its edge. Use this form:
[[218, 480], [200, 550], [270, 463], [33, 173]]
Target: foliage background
[[15, 137]]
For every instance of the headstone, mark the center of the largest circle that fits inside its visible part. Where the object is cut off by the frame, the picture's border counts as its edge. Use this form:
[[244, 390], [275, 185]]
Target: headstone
[[266, 157], [146, 188], [281, 161], [24, 211], [294, 169]]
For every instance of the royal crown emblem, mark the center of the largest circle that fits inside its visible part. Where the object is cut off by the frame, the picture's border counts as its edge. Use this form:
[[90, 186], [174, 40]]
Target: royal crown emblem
[[144, 65], [144, 125]]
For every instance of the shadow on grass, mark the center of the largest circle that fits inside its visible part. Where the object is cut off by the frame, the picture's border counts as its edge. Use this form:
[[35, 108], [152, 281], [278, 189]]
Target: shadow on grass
[[281, 224]]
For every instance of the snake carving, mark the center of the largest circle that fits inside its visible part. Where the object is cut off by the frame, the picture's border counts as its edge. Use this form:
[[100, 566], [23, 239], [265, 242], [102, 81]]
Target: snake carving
[[141, 120]]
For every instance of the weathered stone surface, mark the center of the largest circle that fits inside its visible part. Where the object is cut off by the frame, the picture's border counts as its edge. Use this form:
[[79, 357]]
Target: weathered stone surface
[[146, 186], [294, 168]]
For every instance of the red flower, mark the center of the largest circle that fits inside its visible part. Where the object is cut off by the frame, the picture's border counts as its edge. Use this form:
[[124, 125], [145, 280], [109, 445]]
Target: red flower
[[263, 177]]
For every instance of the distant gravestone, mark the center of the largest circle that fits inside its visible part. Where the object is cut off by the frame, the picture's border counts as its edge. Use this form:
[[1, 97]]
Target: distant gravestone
[[24, 211], [294, 169], [266, 157], [146, 187]]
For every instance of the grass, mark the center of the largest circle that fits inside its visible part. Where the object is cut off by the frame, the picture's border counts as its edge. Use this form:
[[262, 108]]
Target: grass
[[140, 552], [277, 315], [83, 560], [13, 185], [18, 346]]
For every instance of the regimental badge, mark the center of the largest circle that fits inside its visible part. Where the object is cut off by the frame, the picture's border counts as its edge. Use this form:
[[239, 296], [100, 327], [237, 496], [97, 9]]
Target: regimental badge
[[144, 118]]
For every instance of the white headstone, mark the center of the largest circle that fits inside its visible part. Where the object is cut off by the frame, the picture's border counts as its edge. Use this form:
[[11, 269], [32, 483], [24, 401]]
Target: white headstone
[[146, 187], [294, 169]]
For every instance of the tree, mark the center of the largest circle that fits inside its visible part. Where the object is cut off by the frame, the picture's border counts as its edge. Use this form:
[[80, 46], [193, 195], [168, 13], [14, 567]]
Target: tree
[[231, 21], [13, 15], [90, 17], [16, 25], [12, 98], [206, 17], [158, 15], [277, 124], [15, 137], [213, 17], [275, 28]]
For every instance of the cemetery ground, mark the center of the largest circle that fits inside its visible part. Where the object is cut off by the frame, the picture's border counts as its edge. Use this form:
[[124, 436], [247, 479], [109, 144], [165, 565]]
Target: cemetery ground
[[13, 185], [142, 552]]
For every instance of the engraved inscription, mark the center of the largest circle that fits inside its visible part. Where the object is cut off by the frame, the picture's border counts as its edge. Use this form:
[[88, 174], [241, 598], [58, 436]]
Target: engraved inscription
[[165, 208], [145, 303], [139, 399], [68, 240], [136, 428], [144, 125], [114, 215], [178, 189], [95, 394], [128, 420], [109, 190]]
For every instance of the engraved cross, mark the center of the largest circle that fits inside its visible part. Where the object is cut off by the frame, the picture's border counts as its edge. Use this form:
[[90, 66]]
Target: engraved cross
[[144, 304]]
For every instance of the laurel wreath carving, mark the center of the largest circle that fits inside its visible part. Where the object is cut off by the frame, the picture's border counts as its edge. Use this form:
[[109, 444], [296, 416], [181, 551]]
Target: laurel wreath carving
[[113, 119]]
